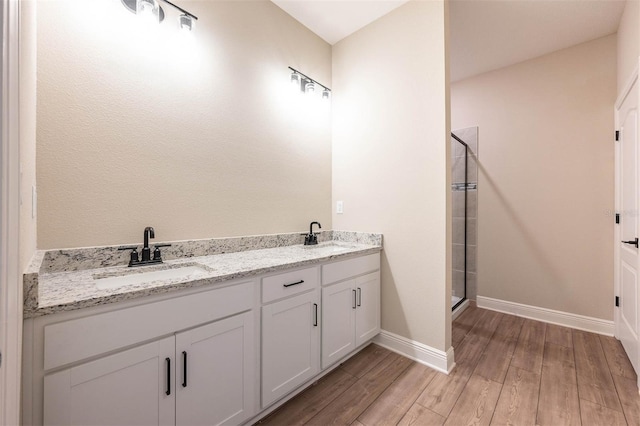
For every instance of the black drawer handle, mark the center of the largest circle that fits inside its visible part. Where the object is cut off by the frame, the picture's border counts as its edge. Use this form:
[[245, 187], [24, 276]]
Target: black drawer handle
[[168, 360], [296, 283], [184, 369], [315, 314]]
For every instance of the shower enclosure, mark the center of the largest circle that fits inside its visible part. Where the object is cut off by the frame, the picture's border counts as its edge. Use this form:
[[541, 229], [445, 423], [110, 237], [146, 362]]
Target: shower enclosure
[[460, 153], [464, 200]]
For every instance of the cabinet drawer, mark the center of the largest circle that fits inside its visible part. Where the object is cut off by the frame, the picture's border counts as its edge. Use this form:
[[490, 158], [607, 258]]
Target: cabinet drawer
[[289, 283], [338, 271]]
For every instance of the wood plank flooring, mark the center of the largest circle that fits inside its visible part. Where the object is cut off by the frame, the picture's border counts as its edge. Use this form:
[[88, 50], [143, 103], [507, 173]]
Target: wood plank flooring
[[510, 371]]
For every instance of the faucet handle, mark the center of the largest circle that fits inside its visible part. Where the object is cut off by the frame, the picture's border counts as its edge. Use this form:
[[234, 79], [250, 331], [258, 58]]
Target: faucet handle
[[310, 239], [156, 251], [134, 254]]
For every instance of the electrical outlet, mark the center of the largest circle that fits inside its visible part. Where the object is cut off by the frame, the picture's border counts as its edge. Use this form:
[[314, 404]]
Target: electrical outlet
[[339, 207]]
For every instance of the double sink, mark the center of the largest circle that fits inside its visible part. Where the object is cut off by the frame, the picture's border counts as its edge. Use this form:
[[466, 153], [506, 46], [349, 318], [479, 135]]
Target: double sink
[[184, 271]]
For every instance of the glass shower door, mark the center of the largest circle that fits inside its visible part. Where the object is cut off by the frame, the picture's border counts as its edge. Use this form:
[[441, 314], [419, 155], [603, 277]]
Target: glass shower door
[[459, 188]]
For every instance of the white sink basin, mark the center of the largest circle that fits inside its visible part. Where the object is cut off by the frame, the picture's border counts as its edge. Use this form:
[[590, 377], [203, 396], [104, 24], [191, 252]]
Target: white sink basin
[[137, 278], [330, 247]]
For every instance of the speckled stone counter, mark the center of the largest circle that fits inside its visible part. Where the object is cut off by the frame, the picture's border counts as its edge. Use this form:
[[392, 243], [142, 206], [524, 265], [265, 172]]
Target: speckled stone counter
[[65, 280]]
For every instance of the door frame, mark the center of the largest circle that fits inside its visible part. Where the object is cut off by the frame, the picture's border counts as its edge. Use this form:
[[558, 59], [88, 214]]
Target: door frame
[[617, 231], [10, 279]]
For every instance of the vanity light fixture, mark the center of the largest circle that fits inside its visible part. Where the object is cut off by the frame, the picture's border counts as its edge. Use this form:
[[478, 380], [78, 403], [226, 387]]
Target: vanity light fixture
[[148, 10], [309, 87], [151, 10], [307, 84], [295, 78], [187, 22]]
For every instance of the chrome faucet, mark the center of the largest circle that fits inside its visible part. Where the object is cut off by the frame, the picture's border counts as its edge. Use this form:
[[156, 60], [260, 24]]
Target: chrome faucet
[[146, 250], [311, 238]]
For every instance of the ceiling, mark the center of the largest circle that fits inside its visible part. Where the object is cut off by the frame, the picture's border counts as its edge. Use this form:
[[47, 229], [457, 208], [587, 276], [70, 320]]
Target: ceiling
[[333, 20], [484, 35]]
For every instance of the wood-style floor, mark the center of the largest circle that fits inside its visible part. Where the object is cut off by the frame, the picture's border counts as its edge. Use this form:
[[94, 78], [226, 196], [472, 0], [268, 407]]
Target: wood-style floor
[[510, 371]]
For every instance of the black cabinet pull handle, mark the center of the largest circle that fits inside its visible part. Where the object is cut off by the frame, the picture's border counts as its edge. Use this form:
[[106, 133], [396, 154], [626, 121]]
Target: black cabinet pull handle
[[315, 314], [634, 242], [168, 360], [354, 299], [296, 283], [184, 369], [359, 296]]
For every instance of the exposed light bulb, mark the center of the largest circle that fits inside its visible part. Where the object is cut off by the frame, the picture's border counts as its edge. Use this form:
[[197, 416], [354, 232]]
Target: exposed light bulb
[[295, 79], [187, 23], [326, 93], [310, 87], [148, 10]]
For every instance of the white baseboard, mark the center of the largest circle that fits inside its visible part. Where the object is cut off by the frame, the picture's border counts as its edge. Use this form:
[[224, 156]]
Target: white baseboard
[[419, 352], [580, 322], [460, 309]]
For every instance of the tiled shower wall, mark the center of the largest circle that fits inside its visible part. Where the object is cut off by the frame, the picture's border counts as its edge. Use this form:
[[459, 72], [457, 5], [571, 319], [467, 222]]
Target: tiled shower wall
[[470, 136]]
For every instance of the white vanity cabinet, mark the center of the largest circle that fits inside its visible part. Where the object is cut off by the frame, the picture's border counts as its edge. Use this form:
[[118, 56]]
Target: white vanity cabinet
[[214, 372], [350, 306], [290, 332], [203, 375], [226, 354], [128, 387], [367, 307]]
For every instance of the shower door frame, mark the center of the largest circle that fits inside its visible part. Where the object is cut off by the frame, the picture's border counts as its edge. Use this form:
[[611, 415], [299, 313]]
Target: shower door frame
[[466, 190]]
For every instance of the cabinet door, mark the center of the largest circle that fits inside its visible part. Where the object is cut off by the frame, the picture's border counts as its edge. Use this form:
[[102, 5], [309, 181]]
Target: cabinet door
[[129, 387], [338, 321], [215, 372], [368, 307], [290, 345]]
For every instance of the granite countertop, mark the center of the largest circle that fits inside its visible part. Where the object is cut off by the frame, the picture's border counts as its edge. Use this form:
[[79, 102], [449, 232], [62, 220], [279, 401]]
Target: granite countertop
[[56, 283]]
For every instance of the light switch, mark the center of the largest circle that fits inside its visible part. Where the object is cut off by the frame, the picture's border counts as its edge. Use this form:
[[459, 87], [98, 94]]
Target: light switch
[[339, 207]]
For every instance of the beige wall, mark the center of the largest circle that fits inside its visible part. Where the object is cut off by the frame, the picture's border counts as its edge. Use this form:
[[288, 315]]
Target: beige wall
[[391, 161], [27, 129], [199, 137], [628, 42], [545, 184]]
